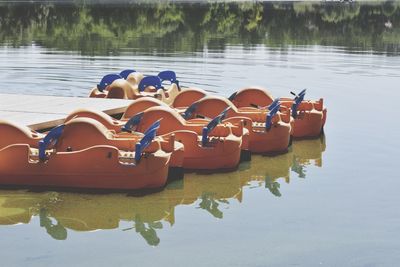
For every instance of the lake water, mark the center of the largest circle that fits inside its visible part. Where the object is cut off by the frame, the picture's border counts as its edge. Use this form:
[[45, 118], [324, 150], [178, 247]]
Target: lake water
[[331, 201]]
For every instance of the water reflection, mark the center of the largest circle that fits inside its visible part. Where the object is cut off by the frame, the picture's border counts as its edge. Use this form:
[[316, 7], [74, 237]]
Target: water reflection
[[168, 27], [59, 211], [307, 152]]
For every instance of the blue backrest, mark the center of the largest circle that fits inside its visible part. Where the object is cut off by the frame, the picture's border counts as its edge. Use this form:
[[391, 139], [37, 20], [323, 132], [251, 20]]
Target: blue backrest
[[167, 75], [144, 143], [155, 125], [210, 126], [270, 116], [224, 112], [232, 96], [189, 111], [132, 122], [150, 81], [273, 104], [107, 80], [49, 140], [297, 100], [125, 73]]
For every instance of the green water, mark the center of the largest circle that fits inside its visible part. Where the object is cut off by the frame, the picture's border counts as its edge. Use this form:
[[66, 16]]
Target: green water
[[330, 201]]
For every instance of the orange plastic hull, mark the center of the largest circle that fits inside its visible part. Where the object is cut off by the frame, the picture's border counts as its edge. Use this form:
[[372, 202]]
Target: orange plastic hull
[[97, 167], [128, 89], [213, 162], [260, 141], [219, 155], [125, 140], [187, 152], [311, 118], [143, 104], [308, 125], [177, 155], [277, 140], [187, 96], [227, 139]]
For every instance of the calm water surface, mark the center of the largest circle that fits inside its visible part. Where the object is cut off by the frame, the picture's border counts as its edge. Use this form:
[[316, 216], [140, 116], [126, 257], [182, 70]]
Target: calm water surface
[[331, 201]]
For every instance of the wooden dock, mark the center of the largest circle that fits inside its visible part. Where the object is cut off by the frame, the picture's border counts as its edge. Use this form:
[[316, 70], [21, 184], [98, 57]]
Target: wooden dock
[[42, 112]]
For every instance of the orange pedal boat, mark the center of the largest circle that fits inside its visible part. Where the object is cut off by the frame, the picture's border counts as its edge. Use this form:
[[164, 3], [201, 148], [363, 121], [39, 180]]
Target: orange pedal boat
[[309, 116], [80, 154], [270, 130], [116, 127], [209, 145], [142, 104], [130, 84]]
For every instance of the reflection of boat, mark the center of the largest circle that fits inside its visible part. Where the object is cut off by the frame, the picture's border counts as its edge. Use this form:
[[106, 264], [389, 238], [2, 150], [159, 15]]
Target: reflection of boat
[[216, 186], [272, 167], [19, 206], [88, 212], [307, 152], [211, 193], [268, 170]]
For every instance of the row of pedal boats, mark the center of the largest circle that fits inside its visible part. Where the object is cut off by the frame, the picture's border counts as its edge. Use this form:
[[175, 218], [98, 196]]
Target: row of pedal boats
[[165, 131]]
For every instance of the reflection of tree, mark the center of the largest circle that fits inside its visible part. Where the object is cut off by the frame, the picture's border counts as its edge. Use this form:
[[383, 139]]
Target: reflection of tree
[[307, 152], [210, 204], [389, 8], [273, 186], [56, 231], [147, 230], [298, 167], [165, 27], [339, 13], [236, 18]]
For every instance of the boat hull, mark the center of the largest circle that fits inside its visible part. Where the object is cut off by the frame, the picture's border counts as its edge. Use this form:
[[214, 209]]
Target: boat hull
[[97, 167]]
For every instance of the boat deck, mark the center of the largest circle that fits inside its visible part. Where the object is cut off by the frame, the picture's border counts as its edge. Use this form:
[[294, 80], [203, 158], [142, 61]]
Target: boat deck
[[43, 112]]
